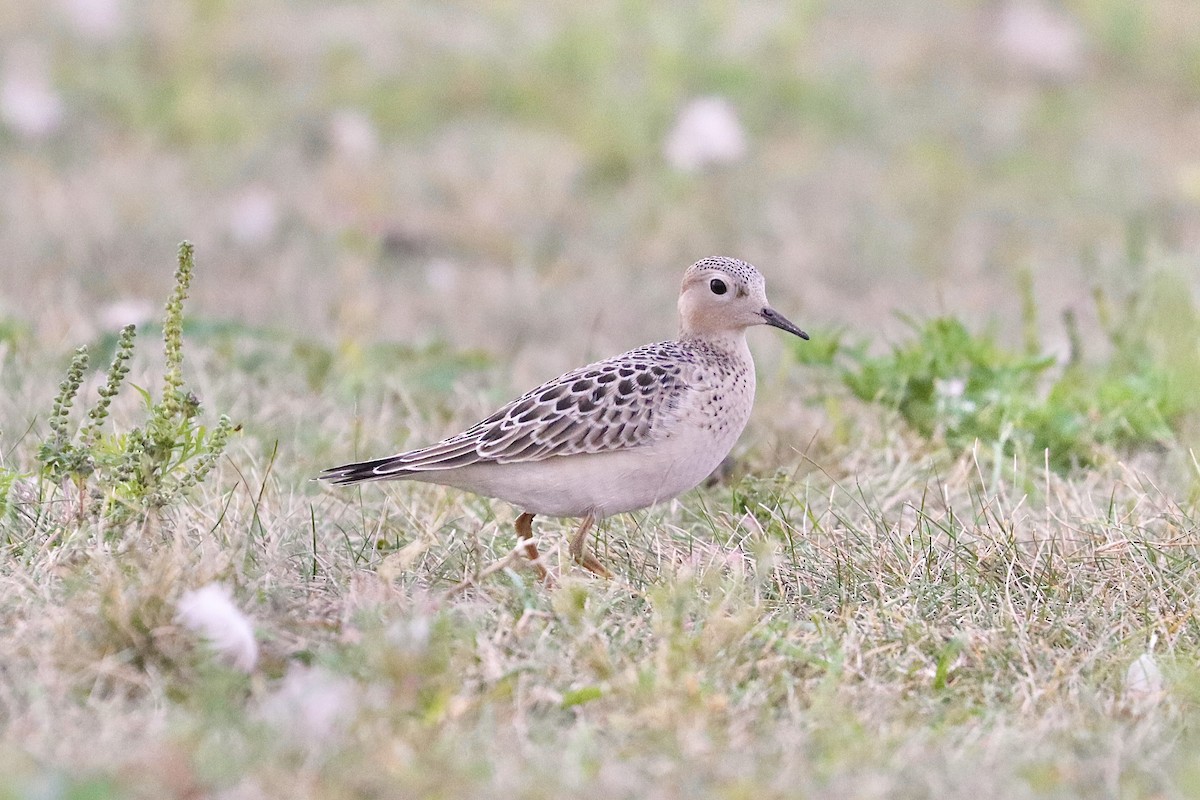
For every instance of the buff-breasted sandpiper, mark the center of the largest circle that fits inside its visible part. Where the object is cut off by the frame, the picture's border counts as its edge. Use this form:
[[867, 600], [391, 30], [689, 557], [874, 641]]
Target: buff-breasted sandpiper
[[617, 435]]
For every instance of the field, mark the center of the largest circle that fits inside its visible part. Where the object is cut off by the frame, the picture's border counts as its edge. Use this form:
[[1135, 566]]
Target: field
[[956, 552]]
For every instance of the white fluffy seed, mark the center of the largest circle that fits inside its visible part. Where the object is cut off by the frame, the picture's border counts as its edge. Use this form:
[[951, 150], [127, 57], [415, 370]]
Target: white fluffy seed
[[210, 613], [706, 132], [1143, 681]]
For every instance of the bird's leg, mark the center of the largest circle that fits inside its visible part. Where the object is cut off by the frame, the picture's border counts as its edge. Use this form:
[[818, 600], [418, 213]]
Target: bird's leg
[[524, 526], [579, 548]]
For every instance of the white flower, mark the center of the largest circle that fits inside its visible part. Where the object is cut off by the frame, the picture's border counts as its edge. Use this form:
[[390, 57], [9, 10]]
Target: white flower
[[127, 311], [442, 275], [1143, 681], [29, 105], [1040, 39], [353, 135], [707, 131], [209, 612], [253, 216], [99, 20]]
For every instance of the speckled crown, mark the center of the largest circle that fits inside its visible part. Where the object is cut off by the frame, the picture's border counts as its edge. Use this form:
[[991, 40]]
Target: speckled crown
[[732, 266]]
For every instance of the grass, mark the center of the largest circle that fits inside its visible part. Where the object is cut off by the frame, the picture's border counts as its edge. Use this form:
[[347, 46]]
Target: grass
[[888, 597], [878, 617]]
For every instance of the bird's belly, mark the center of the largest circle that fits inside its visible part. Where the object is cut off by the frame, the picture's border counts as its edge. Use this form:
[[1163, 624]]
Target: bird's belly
[[606, 483]]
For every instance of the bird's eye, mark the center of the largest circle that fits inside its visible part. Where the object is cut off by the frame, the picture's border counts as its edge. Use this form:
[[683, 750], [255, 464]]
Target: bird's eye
[[718, 286]]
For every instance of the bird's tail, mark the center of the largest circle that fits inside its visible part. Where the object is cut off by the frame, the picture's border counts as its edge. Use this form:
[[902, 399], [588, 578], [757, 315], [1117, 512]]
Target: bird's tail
[[377, 470], [457, 451]]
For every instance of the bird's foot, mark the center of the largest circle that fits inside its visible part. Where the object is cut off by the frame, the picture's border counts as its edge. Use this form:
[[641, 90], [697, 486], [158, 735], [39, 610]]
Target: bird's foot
[[593, 565], [579, 549], [524, 526]]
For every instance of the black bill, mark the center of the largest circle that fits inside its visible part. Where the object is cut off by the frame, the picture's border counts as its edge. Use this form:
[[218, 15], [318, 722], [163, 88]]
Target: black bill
[[777, 320]]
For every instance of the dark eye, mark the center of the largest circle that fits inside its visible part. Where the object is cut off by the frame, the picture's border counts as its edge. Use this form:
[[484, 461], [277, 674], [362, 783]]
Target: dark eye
[[718, 286]]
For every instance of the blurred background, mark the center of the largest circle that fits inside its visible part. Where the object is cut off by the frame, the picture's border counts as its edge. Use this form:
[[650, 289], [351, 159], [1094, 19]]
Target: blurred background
[[528, 177]]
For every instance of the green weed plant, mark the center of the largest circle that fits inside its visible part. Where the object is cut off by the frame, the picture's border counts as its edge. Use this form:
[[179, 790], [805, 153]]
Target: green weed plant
[[963, 388], [152, 465]]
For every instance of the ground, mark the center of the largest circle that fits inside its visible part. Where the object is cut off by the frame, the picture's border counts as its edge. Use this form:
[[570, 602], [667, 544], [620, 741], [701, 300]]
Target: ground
[[405, 214]]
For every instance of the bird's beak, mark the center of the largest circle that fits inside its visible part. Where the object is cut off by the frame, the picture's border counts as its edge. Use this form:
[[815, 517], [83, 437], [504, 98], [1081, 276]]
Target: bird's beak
[[776, 320]]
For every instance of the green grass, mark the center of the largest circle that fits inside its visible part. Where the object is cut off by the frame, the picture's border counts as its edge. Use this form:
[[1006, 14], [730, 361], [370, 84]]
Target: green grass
[[843, 626], [897, 592], [966, 390]]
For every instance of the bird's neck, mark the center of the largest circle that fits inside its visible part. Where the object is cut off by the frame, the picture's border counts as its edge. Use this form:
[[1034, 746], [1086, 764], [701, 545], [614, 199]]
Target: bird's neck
[[732, 342]]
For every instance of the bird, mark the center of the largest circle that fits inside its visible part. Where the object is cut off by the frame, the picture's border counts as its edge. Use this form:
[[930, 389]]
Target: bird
[[617, 435]]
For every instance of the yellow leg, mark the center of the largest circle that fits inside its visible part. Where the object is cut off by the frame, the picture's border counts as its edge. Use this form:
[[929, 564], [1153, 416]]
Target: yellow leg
[[524, 526], [579, 548]]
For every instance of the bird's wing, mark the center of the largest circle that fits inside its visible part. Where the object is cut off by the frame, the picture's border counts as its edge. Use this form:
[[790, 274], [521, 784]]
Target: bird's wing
[[615, 404]]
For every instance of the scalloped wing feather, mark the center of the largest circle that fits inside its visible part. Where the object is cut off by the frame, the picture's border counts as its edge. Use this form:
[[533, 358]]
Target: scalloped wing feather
[[615, 404]]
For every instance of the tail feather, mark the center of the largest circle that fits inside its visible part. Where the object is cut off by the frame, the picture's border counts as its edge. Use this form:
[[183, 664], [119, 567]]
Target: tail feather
[[441, 456], [376, 470]]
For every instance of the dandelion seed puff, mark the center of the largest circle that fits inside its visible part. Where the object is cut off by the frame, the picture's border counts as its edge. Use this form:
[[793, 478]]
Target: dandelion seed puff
[[1040, 39], [253, 216], [707, 131], [209, 612], [98, 20], [1143, 680], [353, 135], [127, 311], [442, 276], [29, 105]]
